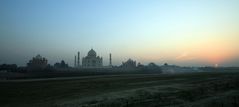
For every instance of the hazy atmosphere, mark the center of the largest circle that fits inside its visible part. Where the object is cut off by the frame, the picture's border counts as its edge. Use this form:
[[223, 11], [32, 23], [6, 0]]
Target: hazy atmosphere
[[181, 32], [119, 53]]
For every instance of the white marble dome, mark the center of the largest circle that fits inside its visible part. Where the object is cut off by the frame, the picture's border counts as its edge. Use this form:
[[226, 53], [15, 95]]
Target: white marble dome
[[92, 53]]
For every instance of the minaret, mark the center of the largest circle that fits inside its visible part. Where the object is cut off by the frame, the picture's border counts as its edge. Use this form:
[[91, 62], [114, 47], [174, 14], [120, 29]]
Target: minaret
[[78, 62], [75, 61], [110, 60]]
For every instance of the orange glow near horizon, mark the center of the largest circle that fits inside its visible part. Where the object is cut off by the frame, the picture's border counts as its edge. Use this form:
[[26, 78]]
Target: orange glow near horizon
[[214, 50], [210, 50]]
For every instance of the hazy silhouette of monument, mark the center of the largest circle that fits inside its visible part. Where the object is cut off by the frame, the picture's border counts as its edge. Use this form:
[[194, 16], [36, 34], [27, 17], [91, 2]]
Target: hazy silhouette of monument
[[37, 63], [75, 62], [78, 62], [8, 68], [110, 61], [61, 65], [92, 60], [129, 64]]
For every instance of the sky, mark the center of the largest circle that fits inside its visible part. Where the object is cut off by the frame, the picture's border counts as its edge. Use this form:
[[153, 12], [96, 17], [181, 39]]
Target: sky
[[179, 32]]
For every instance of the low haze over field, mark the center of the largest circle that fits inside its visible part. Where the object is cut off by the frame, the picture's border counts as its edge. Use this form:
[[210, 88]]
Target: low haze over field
[[181, 32]]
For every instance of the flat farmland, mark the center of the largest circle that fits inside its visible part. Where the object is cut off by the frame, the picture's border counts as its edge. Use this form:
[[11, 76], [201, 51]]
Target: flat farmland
[[204, 89]]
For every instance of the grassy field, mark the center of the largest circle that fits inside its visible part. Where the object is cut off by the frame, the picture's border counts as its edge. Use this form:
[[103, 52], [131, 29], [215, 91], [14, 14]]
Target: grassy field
[[205, 89]]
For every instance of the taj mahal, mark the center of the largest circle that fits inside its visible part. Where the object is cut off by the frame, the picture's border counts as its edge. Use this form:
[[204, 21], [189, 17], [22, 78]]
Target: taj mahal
[[90, 61]]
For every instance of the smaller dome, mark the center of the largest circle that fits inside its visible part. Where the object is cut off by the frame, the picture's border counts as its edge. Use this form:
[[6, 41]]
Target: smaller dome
[[92, 53]]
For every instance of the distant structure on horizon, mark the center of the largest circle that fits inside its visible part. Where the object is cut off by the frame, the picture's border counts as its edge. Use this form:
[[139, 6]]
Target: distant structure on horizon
[[110, 64], [75, 62], [37, 63], [78, 60], [129, 64], [62, 64], [92, 60]]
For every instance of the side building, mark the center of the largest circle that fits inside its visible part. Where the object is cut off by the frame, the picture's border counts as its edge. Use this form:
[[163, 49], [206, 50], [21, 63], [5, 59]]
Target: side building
[[129, 64], [37, 63], [92, 60], [62, 64]]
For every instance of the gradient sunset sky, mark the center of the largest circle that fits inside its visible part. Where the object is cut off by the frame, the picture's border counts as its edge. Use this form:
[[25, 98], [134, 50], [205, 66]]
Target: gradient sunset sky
[[181, 32]]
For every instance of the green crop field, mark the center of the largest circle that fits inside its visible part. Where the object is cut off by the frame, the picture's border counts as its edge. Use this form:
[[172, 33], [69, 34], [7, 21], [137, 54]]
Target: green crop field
[[205, 89]]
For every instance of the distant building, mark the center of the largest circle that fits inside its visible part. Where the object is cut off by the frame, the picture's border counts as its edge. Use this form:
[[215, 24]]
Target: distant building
[[37, 63], [92, 60], [110, 61], [61, 65], [8, 68], [139, 65], [152, 67], [129, 64]]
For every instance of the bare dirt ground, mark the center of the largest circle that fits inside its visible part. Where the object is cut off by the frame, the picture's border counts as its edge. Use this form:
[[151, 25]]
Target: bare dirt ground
[[205, 89]]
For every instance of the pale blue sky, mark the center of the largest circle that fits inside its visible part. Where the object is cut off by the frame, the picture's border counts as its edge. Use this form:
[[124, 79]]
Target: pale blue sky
[[145, 30]]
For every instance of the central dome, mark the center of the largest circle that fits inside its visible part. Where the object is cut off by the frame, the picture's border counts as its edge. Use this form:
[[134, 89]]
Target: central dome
[[92, 53]]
